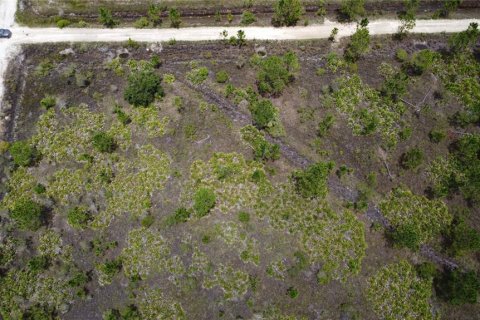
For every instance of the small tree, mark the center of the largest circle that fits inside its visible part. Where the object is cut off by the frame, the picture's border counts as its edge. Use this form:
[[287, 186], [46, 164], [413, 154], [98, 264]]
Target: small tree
[[287, 12], [407, 17], [359, 42], [411, 159], [103, 142], [465, 39], [27, 214], [153, 15], [241, 38], [143, 86], [204, 201], [174, 16], [248, 18], [459, 287], [106, 18], [352, 9], [23, 153], [78, 217], [312, 182], [333, 34]]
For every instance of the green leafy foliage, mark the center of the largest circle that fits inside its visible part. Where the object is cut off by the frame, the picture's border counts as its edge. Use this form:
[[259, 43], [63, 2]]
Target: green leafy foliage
[[222, 76], [106, 18], [352, 9], [267, 116], [78, 217], [325, 125], [463, 238], [396, 292], [204, 201], [436, 135], [411, 159], [359, 44], [103, 142], [287, 12], [275, 73], [416, 218], [23, 153], [458, 287], [143, 86], [312, 182], [459, 172], [262, 149], [198, 75], [466, 39], [174, 16], [422, 61], [247, 18], [48, 102], [106, 271], [27, 214]]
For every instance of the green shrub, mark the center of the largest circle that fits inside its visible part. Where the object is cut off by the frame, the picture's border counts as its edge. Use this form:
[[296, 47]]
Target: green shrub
[[405, 134], [23, 153], [262, 149], [181, 215], [292, 292], [422, 61], [78, 217], [154, 14], [141, 23], [132, 44], [247, 18], [174, 16], [401, 55], [243, 217], [465, 39], [103, 142], [427, 270], [27, 214], [352, 9], [312, 182], [122, 116], [108, 270], [143, 86], [343, 170], [406, 236], [411, 159], [198, 75], [459, 287], [275, 73], [266, 116], [287, 12], [48, 102], [106, 18], [325, 125], [463, 238], [156, 62], [436, 136], [204, 201], [62, 23], [222, 76], [39, 189], [39, 263], [359, 44]]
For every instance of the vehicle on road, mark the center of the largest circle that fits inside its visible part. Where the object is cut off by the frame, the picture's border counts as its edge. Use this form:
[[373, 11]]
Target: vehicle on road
[[5, 33]]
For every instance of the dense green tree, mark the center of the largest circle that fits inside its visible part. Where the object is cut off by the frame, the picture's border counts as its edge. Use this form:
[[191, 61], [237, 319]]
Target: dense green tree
[[287, 12], [459, 287], [407, 16], [103, 142], [359, 44], [313, 181], [174, 16], [463, 238], [203, 201], [422, 61], [106, 18], [27, 214], [143, 86], [275, 73], [352, 9], [23, 153], [465, 39], [415, 219]]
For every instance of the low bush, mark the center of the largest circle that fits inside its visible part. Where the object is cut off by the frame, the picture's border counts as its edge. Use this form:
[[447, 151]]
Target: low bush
[[463, 238], [106, 18], [411, 159], [23, 153], [359, 44], [198, 75], [174, 16], [27, 214], [325, 125], [458, 287], [427, 270], [62, 23], [312, 182], [141, 23], [406, 236], [143, 86], [222, 76], [78, 217], [352, 9], [402, 55], [247, 18], [204, 201], [48, 102], [287, 12], [103, 142], [243, 217], [275, 73], [436, 136]]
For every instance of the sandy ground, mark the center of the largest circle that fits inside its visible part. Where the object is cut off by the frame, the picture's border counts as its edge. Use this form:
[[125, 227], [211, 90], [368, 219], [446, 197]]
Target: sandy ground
[[22, 35]]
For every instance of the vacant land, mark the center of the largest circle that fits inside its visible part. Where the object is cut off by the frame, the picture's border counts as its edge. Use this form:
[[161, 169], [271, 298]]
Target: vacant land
[[286, 180]]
